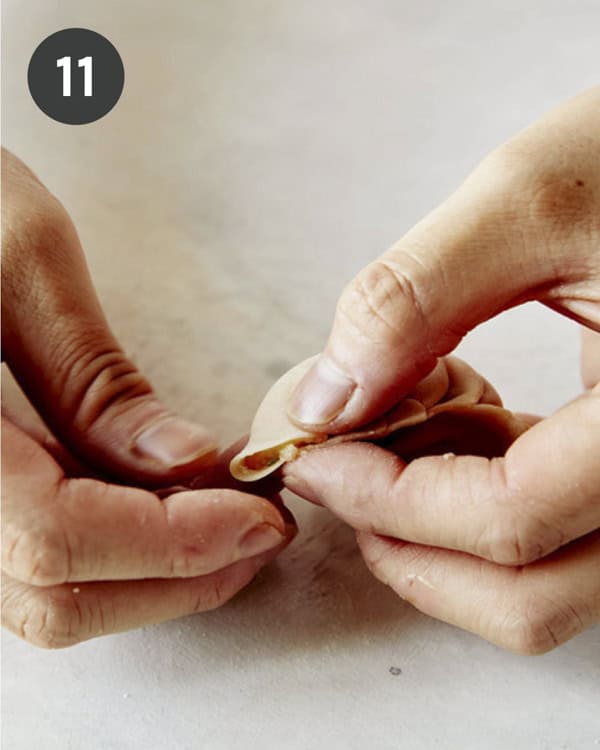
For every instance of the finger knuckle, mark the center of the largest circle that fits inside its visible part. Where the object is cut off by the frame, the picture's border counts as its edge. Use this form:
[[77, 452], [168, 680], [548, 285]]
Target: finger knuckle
[[539, 624], [378, 557], [211, 595], [381, 301], [39, 556], [53, 619], [95, 375], [516, 538], [400, 564], [190, 552]]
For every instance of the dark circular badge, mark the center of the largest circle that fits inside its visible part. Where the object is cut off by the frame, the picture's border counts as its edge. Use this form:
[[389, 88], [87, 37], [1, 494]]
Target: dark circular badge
[[76, 76]]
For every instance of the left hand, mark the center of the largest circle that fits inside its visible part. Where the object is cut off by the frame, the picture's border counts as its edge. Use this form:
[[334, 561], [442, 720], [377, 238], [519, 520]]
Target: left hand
[[87, 548]]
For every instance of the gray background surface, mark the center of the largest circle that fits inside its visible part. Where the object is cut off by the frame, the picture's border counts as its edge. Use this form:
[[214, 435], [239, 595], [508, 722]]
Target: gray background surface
[[261, 153]]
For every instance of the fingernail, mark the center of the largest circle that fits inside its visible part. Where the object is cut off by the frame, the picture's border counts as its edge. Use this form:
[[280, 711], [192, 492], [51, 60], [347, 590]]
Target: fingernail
[[259, 539], [321, 395], [174, 441]]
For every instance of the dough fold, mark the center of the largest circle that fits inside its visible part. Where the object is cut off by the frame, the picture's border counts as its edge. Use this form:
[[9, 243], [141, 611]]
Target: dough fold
[[453, 408]]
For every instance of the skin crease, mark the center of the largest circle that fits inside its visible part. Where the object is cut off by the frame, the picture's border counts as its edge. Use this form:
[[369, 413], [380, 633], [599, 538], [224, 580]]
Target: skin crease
[[509, 547], [87, 548]]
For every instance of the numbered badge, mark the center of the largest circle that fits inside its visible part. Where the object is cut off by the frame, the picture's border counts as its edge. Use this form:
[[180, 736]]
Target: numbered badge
[[76, 76]]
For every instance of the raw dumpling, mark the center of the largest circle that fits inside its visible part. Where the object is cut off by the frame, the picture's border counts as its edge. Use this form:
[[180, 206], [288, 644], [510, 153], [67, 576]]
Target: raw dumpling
[[452, 405]]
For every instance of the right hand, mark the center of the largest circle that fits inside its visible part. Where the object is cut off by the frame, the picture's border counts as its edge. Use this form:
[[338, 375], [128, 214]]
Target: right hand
[[525, 225], [509, 547], [86, 548]]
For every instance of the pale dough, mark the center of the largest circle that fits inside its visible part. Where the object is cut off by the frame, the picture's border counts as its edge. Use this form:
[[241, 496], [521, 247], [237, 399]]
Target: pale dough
[[453, 403]]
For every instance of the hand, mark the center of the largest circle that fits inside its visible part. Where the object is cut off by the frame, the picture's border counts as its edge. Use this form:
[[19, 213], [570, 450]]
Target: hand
[[82, 555], [509, 547]]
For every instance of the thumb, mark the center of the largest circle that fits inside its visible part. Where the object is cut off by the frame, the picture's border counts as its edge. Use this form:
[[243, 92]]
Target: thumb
[[462, 264], [57, 343], [523, 226]]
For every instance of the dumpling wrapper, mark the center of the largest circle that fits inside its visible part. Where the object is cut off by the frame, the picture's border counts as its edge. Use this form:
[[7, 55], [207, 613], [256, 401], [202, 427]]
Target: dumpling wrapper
[[453, 404]]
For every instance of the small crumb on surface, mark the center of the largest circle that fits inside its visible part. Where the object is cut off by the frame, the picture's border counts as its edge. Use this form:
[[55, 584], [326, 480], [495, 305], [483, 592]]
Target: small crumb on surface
[[76, 590], [448, 456], [395, 671]]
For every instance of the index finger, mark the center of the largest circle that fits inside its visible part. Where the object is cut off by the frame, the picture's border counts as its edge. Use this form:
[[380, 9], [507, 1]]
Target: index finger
[[57, 529], [513, 509]]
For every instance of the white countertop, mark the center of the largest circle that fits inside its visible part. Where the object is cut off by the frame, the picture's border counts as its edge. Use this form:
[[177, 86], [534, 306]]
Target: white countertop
[[261, 153]]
